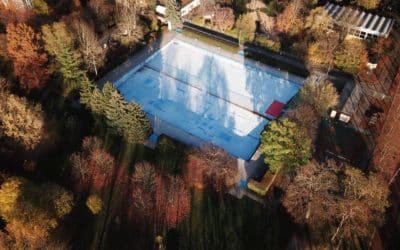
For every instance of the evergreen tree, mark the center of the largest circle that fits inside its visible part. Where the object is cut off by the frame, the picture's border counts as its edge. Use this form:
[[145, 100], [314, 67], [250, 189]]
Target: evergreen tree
[[122, 118], [173, 13], [285, 146], [60, 44]]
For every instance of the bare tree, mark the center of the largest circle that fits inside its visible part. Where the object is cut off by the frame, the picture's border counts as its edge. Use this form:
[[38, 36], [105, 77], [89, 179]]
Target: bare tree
[[214, 166], [89, 45], [223, 18], [129, 30], [290, 21]]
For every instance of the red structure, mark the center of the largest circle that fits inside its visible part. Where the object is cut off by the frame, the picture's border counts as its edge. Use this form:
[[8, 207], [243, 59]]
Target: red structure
[[274, 110]]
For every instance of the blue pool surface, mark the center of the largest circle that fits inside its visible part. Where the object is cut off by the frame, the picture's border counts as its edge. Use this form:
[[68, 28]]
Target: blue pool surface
[[209, 96]]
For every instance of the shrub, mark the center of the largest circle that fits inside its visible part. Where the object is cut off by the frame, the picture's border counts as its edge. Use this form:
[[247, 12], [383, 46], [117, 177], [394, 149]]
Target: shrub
[[94, 203], [273, 8], [246, 25], [271, 44], [41, 7]]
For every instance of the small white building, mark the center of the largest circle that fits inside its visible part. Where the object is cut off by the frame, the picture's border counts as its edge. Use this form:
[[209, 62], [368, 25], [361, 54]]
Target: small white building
[[186, 9], [359, 23]]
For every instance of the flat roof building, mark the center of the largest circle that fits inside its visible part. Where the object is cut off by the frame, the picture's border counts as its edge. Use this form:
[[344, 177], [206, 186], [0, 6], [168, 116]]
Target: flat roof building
[[359, 23]]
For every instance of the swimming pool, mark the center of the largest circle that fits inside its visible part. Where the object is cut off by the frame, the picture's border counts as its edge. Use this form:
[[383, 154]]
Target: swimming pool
[[207, 95]]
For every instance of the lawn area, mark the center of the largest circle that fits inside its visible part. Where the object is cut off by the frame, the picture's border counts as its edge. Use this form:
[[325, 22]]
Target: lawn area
[[225, 222], [211, 41]]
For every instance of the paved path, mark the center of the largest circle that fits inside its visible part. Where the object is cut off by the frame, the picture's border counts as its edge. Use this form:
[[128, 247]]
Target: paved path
[[137, 58]]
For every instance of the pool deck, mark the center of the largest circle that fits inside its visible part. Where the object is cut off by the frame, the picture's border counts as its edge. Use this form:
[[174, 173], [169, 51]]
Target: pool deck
[[166, 38], [139, 59]]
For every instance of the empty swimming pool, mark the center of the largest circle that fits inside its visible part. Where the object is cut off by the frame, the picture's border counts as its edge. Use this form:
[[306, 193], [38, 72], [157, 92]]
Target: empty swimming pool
[[198, 94]]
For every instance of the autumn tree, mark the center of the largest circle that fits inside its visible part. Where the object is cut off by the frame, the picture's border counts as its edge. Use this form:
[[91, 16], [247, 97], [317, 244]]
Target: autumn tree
[[31, 212], [211, 165], [173, 13], [318, 22], [291, 20], [246, 26], [285, 146], [122, 118], [368, 4], [10, 13], [129, 27], [23, 46], [143, 189], [307, 199], [94, 203], [93, 166], [310, 122], [89, 45], [159, 198], [321, 52], [21, 121], [321, 94], [351, 55], [104, 11], [223, 18], [337, 202], [59, 43], [173, 202]]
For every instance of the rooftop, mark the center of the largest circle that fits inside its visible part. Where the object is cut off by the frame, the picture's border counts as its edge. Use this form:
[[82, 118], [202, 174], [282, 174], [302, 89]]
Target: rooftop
[[365, 23]]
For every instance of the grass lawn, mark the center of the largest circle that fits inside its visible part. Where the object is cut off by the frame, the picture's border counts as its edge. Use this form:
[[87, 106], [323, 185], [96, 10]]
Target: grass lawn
[[211, 41]]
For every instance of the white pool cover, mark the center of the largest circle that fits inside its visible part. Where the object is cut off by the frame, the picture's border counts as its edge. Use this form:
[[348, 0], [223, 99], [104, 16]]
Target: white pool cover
[[209, 96]]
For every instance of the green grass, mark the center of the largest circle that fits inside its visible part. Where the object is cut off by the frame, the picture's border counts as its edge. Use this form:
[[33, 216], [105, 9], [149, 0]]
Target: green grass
[[225, 222], [211, 41]]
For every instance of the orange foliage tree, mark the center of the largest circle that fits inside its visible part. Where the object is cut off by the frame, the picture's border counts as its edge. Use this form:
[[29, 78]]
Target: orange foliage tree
[[93, 166], [10, 13], [23, 47]]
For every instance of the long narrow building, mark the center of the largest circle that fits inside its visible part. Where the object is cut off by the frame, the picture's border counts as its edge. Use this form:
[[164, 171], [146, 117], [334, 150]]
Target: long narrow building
[[359, 23]]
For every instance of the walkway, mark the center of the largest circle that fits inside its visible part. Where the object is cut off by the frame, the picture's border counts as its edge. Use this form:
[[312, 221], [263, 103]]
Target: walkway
[[137, 58]]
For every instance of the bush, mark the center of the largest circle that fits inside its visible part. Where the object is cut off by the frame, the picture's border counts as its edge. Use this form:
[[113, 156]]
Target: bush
[[246, 25], [94, 203], [41, 7], [271, 44], [273, 8]]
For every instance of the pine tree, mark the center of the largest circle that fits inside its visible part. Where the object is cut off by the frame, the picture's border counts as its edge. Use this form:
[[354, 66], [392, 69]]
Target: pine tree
[[173, 13], [60, 44], [285, 146], [122, 118]]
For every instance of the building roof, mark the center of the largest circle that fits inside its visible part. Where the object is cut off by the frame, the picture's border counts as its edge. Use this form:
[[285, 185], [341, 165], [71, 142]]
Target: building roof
[[183, 2], [360, 20]]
